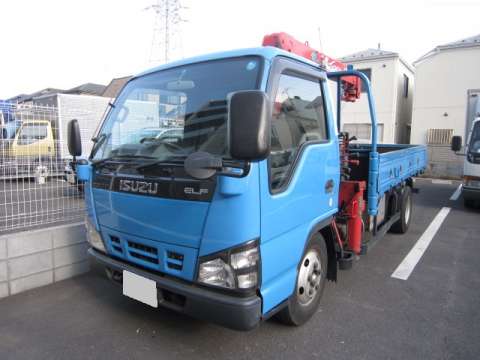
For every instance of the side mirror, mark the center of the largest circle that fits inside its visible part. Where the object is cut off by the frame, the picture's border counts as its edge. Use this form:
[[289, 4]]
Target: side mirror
[[249, 125], [456, 144], [74, 139]]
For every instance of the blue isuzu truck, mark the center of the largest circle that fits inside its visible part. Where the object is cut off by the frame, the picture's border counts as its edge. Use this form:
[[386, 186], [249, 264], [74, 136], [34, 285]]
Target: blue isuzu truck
[[254, 201]]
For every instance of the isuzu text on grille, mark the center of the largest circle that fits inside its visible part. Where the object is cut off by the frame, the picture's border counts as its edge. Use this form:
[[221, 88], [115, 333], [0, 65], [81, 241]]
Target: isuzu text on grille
[[141, 187]]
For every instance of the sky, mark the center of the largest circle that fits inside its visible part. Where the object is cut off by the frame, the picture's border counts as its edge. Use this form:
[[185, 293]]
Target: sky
[[65, 43]]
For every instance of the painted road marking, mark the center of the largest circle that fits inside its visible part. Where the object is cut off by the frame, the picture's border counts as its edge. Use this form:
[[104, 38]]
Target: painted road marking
[[443, 182], [406, 267], [457, 193]]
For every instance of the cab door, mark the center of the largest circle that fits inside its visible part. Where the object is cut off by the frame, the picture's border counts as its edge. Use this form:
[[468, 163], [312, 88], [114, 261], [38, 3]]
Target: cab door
[[300, 179]]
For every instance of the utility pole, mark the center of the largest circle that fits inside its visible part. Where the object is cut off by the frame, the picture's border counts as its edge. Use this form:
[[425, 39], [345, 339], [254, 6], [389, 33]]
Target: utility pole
[[166, 29]]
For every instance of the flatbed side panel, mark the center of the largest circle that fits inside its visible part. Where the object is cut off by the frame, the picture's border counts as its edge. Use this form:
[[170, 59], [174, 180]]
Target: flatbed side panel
[[400, 164]]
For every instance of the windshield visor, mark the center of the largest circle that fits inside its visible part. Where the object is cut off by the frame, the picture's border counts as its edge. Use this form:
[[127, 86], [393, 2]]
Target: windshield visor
[[172, 113]]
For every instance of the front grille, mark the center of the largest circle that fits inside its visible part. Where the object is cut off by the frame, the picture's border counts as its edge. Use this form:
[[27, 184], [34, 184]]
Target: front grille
[[116, 245], [154, 255], [174, 260], [141, 247], [142, 252]]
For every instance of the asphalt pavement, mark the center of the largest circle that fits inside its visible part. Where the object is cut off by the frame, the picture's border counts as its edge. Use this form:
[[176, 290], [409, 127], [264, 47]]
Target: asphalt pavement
[[367, 314]]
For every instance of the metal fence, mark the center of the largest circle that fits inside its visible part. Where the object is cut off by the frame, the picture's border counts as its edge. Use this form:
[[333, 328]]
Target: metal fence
[[35, 164]]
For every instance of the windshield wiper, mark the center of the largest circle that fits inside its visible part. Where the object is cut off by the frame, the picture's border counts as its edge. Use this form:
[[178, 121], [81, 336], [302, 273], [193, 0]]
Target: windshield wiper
[[120, 157], [97, 142], [174, 160]]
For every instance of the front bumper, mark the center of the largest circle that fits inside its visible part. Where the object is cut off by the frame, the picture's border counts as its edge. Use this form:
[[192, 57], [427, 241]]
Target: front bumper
[[471, 193], [239, 313]]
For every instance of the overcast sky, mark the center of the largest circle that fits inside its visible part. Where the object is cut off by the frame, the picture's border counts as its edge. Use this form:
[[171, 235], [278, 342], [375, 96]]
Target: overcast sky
[[64, 43]]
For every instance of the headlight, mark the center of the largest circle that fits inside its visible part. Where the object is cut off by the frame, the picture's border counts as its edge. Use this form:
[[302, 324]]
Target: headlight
[[216, 272], [93, 236], [237, 268]]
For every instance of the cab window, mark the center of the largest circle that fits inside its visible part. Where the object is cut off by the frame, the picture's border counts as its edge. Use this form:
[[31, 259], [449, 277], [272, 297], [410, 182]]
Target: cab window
[[298, 117], [31, 133]]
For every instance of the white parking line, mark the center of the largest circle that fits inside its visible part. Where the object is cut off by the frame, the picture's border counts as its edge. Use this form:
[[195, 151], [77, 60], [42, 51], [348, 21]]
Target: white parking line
[[406, 267], [440, 181], [457, 193]]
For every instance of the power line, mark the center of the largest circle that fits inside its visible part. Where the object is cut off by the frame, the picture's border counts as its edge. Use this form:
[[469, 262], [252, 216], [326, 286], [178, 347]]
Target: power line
[[166, 36]]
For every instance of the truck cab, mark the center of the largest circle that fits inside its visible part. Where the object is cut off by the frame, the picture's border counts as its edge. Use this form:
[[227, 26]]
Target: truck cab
[[233, 222], [34, 139], [471, 165]]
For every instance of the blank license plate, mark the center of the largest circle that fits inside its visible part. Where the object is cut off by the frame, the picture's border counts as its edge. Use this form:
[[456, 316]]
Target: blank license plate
[[140, 288]]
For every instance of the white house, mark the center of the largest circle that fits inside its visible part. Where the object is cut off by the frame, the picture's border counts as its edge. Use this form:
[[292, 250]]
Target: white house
[[447, 92], [392, 85]]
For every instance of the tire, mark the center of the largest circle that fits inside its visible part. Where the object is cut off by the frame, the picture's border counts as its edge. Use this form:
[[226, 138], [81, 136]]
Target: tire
[[406, 207], [311, 279]]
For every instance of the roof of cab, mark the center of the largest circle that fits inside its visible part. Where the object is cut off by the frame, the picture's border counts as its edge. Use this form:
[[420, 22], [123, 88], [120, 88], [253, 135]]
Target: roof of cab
[[267, 52]]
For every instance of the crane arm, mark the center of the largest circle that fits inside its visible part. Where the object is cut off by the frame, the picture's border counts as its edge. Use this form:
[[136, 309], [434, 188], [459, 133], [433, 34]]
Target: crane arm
[[351, 85]]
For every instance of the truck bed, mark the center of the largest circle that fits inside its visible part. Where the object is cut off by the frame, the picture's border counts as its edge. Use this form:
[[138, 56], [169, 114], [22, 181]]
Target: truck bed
[[397, 162]]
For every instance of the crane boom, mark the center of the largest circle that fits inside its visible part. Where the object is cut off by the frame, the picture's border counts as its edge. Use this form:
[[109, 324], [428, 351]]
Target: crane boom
[[350, 84]]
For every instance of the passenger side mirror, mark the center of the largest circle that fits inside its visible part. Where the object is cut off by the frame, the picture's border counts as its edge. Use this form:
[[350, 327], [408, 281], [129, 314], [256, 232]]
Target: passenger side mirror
[[74, 139], [456, 144], [249, 125]]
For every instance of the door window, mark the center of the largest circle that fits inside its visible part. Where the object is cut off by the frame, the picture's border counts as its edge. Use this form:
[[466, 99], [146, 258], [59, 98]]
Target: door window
[[298, 118]]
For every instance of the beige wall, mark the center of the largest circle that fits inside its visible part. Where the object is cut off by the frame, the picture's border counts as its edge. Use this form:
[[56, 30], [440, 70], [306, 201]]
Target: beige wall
[[387, 85], [441, 85], [403, 116]]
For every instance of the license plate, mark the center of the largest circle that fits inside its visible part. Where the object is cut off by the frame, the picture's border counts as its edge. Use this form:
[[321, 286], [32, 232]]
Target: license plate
[[140, 288]]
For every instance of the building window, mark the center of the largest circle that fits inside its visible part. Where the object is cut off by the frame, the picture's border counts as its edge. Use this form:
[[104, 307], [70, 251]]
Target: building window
[[298, 118], [405, 85], [368, 73]]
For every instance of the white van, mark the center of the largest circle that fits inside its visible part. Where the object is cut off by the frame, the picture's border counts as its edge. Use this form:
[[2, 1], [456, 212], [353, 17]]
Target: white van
[[471, 167]]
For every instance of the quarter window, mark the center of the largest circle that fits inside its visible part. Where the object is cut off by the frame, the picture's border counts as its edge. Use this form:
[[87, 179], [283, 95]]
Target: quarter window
[[298, 117]]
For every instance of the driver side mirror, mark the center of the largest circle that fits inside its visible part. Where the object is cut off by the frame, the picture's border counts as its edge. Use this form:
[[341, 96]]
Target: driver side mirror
[[456, 144], [74, 139], [249, 125]]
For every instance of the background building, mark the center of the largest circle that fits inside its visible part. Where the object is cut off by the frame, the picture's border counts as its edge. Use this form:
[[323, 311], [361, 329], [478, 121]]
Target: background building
[[447, 92], [392, 83]]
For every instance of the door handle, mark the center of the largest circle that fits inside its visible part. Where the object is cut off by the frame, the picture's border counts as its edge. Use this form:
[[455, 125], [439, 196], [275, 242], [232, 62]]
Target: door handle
[[329, 185]]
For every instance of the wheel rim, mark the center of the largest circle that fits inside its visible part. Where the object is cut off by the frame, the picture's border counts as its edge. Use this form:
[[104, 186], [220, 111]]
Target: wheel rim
[[309, 277], [408, 210]]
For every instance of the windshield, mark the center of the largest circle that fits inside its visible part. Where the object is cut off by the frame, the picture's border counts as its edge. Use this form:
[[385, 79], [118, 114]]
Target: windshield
[[175, 112], [475, 139]]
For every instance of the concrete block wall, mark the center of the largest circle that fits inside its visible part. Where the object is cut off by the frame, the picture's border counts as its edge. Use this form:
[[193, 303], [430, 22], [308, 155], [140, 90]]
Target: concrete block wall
[[443, 162], [40, 257]]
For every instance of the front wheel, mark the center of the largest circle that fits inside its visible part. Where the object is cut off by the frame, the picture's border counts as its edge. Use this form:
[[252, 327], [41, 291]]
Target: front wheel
[[311, 278], [401, 226]]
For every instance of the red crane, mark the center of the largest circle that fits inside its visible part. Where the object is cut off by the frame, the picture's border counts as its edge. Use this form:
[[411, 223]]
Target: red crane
[[350, 84]]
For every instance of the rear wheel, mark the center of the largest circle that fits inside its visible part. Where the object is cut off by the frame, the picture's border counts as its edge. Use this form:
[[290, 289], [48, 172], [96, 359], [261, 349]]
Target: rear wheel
[[406, 207], [311, 278]]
